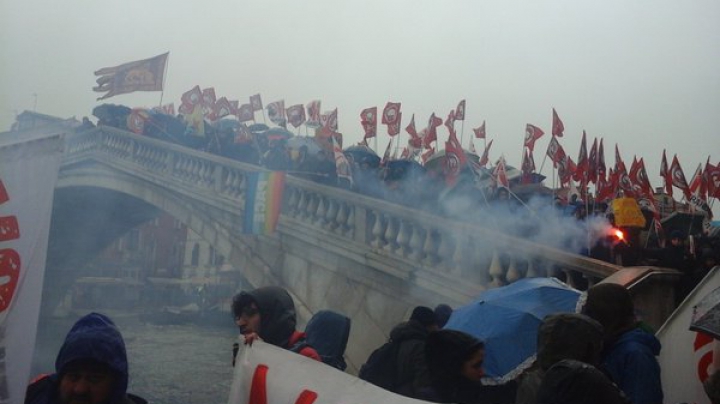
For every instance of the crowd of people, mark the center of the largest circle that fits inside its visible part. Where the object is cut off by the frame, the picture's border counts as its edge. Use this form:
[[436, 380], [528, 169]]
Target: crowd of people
[[602, 355]]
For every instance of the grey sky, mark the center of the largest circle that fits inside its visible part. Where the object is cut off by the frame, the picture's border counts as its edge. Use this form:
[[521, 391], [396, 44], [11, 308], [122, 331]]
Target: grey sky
[[644, 74]]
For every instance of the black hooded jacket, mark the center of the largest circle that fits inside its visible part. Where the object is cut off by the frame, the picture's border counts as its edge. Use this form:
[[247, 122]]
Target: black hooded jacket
[[412, 372], [277, 314]]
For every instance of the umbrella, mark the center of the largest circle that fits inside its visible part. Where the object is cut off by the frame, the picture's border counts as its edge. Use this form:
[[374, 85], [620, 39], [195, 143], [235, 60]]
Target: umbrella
[[436, 161], [278, 133], [507, 320], [363, 154], [706, 315]]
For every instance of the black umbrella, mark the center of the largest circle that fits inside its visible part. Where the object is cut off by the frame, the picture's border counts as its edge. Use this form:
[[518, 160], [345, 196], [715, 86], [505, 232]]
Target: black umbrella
[[706, 315]]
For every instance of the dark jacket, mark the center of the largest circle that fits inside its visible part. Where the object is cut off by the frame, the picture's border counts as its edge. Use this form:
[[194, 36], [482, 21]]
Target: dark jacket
[[632, 364], [95, 337], [412, 372], [277, 319], [574, 382]]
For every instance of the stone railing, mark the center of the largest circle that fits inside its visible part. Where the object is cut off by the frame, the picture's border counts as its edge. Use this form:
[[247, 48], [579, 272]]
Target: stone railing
[[408, 243]]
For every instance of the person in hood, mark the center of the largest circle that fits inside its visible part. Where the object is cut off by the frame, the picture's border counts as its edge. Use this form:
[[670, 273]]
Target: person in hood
[[268, 313], [91, 368], [630, 352], [455, 364], [412, 373]]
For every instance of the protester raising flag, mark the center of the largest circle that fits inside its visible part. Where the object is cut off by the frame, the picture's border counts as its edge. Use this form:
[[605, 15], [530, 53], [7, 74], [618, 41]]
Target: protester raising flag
[[678, 177], [142, 75], [368, 120], [557, 125], [460, 111], [480, 132], [263, 200], [532, 133]]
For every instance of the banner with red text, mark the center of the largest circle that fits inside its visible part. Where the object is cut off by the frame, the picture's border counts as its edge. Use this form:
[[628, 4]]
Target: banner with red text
[[266, 374], [28, 173], [686, 358]]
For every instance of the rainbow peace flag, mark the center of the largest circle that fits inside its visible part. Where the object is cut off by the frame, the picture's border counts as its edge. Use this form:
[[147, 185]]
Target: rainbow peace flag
[[263, 200]]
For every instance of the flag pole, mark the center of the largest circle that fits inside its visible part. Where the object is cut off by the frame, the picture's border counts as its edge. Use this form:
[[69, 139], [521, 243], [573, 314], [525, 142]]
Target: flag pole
[[462, 131], [162, 91]]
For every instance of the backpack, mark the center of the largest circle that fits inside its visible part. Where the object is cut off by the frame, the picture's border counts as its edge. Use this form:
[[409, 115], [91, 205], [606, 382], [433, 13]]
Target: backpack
[[381, 367], [327, 332]]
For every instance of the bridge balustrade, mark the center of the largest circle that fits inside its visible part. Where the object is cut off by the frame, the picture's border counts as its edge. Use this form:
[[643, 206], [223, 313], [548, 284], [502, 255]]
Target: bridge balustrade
[[408, 243]]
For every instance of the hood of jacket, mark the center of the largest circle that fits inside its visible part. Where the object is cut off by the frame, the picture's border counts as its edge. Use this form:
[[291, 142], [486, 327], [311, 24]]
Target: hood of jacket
[[96, 337], [277, 314], [408, 330]]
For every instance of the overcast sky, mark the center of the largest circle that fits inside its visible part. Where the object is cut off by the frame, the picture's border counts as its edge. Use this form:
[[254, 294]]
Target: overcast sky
[[643, 74]]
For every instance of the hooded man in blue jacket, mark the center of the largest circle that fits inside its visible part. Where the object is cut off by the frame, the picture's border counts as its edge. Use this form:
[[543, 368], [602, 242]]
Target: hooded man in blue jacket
[[91, 367]]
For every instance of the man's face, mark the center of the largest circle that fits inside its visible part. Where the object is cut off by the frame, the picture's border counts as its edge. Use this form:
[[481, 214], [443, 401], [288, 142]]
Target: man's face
[[249, 319], [86, 383], [472, 368]]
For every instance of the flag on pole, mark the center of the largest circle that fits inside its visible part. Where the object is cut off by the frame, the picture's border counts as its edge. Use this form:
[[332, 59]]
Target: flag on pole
[[208, 100], [593, 162], [485, 156], [410, 129], [460, 111], [557, 125], [221, 108], [500, 175], [581, 174], [256, 102], [276, 112], [431, 135], [678, 177], [450, 122], [528, 167], [368, 120], [555, 151], [713, 179], [263, 200], [190, 99], [141, 75], [313, 114], [532, 133], [455, 159], [245, 113], [665, 173], [601, 168], [28, 175], [391, 117], [480, 132], [296, 115]]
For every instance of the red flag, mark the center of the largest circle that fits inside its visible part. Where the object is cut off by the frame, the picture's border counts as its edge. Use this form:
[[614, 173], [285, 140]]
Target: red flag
[[500, 175], [455, 159], [221, 108], [427, 154], [460, 111], [296, 115], [141, 75], [209, 98], [555, 151], [368, 120], [601, 168], [256, 102], [391, 113], [410, 129], [276, 112], [394, 128], [581, 174], [532, 133], [450, 121], [678, 177], [697, 184], [328, 123], [566, 169], [386, 155], [313, 114], [712, 173], [431, 135], [480, 132], [593, 162], [189, 100], [557, 125], [605, 189], [665, 173], [528, 167], [136, 120], [618, 159], [485, 156], [639, 178], [245, 113]]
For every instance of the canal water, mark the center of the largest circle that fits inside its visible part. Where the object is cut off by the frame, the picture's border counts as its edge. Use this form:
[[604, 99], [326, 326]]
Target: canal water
[[168, 363]]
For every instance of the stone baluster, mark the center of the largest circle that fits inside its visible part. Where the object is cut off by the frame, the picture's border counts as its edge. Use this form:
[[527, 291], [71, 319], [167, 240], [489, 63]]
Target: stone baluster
[[377, 230], [430, 248], [342, 217], [311, 207], [496, 270], [457, 258], [392, 235], [532, 271], [320, 212], [513, 273], [302, 203], [349, 225], [445, 252], [331, 215], [403, 239], [417, 241], [292, 201]]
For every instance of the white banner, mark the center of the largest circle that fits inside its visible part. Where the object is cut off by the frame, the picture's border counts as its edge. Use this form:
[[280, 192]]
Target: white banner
[[28, 173], [686, 358], [266, 374]]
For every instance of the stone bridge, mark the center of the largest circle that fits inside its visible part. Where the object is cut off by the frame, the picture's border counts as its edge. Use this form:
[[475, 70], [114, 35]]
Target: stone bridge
[[367, 258]]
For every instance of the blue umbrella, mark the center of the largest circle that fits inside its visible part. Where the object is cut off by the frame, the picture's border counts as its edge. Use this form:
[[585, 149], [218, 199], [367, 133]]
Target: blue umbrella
[[507, 320]]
